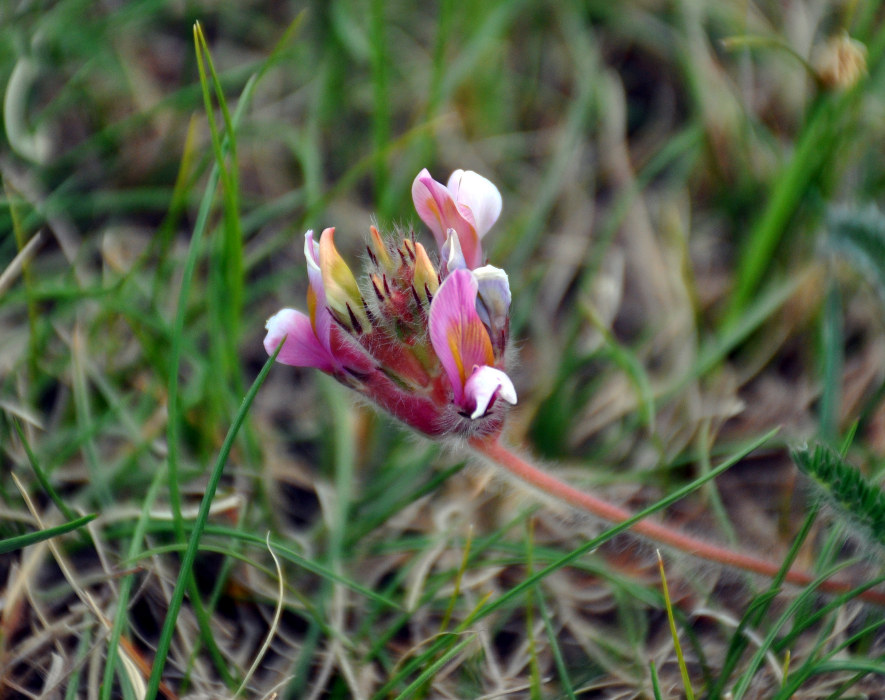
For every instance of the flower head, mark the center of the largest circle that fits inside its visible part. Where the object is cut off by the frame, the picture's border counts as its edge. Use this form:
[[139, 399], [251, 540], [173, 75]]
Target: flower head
[[425, 342]]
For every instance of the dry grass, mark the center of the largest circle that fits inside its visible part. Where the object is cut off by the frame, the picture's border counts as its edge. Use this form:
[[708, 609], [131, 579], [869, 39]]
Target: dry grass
[[677, 293]]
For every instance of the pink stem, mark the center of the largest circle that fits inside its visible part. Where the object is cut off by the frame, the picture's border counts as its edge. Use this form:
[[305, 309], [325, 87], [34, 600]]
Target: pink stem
[[494, 450]]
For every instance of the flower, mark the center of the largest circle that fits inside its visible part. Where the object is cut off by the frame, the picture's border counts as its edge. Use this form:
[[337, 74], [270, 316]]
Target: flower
[[469, 205], [424, 342], [462, 344]]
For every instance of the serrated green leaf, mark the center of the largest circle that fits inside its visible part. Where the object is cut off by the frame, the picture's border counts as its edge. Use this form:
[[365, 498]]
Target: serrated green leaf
[[845, 488]]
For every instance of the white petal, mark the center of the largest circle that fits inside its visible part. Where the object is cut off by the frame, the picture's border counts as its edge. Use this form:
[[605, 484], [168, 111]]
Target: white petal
[[483, 385], [312, 255], [480, 195], [311, 250], [454, 183], [451, 253], [493, 302]]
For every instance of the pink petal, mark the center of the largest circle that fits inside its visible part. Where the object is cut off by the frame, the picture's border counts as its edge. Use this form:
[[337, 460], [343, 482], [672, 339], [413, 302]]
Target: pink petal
[[485, 384], [437, 209], [456, 332], [302, 349], [480, 197], [430, 202]]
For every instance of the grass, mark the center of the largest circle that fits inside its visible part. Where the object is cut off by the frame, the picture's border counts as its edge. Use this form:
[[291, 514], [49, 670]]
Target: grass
[[695, 259]]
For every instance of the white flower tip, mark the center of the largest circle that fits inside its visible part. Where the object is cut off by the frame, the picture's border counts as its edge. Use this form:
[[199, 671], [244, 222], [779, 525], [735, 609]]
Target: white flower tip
[[493, 303], [311, 251], [454, 183], [484, 385], [275, 322], [451, 252], [479, 195]]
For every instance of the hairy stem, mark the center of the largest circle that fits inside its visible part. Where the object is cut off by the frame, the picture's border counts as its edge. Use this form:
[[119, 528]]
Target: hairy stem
[[492, 449]]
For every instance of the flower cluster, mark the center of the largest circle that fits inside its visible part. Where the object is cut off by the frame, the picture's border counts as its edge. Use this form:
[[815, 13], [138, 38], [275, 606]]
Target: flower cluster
[[426, 342]]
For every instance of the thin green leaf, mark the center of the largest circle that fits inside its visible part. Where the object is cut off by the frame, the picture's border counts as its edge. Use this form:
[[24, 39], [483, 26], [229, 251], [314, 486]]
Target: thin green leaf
[[680, 658], [43, 480], [185, 574], [12, 544]]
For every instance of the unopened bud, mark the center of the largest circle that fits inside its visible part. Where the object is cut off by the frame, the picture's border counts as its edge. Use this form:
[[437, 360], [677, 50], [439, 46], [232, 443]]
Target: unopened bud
[[841, 62], [342, 292], [378, 251], [425, 281]]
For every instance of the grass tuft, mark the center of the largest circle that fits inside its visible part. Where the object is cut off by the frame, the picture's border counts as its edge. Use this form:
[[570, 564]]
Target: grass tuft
[[692, 259]]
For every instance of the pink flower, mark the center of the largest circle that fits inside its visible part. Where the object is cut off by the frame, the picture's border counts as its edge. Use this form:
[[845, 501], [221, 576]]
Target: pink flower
[[469, 205], [426, 343], [313, 340], [462, 344]]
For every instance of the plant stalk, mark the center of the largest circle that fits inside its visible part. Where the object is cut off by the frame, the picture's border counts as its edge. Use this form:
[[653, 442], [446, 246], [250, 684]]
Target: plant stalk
[[492, 449]]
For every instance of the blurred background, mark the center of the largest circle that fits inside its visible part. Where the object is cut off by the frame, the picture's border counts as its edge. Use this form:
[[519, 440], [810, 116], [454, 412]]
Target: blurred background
[[695, 255]]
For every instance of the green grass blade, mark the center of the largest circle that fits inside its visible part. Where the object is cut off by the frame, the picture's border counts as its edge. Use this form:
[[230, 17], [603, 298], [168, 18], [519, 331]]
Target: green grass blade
[[199, 525], [759, 607], [747, 677], [655, 681], [677, 495], [558, 659], [432, 669], [228, 268], [121, 617], [813, 150], [380, 98], [42, 479], [12, 544], [674, 633]]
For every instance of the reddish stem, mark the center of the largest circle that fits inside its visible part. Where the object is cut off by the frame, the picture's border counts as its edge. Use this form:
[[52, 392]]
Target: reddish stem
[[494, 450]]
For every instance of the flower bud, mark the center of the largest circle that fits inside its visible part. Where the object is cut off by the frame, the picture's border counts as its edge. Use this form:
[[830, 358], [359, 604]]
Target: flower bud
[[342, 291], [378, 251], [841, 62], [425, 280]]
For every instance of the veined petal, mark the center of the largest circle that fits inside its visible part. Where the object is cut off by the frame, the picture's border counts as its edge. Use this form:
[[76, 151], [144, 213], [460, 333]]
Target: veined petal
[[434, 204], [493, 303], [484, 385], [437, 208], [302, 348], [342, 292], [457, 334], [479, 195]]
